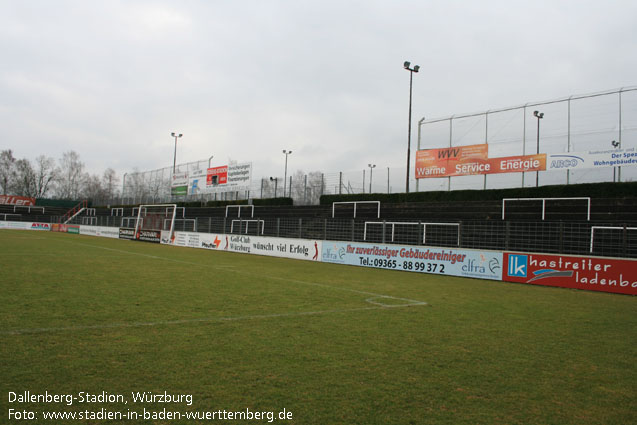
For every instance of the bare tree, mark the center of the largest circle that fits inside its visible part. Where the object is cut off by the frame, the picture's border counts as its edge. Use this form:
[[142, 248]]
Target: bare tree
[[92, 188], [315, 187], [110, 183], [296, 186], [307, 188], [45, 173], [7, 171], [69, 182], [24, 184], [138, 187]]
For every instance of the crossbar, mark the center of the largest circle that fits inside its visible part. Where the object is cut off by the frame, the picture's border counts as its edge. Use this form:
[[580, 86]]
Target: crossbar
[[411, 223], [355, 204], [247, 223], [593, 228], [239, 207], [27, 206], [588, 212]]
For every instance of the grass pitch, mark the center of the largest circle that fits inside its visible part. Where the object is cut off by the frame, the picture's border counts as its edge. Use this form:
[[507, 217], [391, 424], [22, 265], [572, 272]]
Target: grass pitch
[[330, 344]]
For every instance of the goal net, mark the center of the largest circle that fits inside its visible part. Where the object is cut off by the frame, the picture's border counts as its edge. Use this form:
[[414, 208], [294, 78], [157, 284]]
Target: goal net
[[154, 220]]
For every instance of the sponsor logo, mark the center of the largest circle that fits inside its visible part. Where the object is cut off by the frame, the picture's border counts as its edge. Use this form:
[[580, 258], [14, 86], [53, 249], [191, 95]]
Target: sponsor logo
[[490, 265], [592, 273], [126, 233], [40, 226], [149, 235], [334, 253], [565, 161], [518, 265]]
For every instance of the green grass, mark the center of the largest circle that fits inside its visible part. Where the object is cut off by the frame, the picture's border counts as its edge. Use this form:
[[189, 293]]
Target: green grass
[[238, 331]]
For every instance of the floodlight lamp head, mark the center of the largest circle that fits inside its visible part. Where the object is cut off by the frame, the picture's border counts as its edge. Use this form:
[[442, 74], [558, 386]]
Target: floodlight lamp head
[[615, 144], [406, 64], [180, 135], [416, 68], [172, 134]]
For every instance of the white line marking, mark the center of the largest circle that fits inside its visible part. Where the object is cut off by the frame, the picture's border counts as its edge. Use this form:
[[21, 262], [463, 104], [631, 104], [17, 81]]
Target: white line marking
[[187, 321], [373, 299], [284, 279]]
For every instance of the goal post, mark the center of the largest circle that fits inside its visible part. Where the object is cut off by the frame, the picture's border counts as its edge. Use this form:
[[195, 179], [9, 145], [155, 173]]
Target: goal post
[[153, 219]]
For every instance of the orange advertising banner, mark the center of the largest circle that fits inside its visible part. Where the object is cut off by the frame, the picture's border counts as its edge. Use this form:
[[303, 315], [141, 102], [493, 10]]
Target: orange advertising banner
[[472, 160], [518, 164], [450, 161]]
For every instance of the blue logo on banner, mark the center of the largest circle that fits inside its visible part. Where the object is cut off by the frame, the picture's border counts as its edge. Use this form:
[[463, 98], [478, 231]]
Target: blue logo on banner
[[518, 265]]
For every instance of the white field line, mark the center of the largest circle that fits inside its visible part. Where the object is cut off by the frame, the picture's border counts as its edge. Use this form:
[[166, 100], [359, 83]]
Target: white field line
[[28, 254], [373, 298], [199, 320], [260, 275]]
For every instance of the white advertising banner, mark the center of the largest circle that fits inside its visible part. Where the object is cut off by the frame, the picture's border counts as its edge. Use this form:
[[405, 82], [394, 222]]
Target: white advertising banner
[[103, 231], [179, 179], [446, 261], [225, 178], [24, 225], [300, 249], [591, 159]]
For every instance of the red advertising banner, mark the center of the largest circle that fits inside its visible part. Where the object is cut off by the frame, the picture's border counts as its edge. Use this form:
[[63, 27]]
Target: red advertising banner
[[472, 160], [576, 272], [17, 200], [217, 175]]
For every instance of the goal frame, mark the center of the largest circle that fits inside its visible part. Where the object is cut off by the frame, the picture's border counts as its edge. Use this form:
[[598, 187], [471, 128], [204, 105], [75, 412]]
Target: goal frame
[[144, 207]]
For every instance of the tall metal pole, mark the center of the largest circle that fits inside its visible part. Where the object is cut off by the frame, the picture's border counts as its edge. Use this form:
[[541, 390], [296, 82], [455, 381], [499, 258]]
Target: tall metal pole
[[176, 136], [419, 136], [539, 115], [537, 152], [371, 168], [406, 65], [285, 178], [411, 79]]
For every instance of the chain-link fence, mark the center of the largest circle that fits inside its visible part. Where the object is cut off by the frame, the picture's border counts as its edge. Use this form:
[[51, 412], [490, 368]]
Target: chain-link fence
[[575, 238], [605, 120]]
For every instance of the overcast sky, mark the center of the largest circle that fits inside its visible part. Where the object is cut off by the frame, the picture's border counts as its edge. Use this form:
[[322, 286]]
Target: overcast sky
[[243, 80]]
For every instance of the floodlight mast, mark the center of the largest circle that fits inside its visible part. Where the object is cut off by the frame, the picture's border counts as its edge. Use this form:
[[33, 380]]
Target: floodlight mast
[[539, 115], [407, 65], [285, 177], [176, 136]]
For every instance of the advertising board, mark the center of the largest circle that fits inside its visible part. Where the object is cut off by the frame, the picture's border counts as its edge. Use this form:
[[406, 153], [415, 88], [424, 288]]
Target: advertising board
[[576, 272], [445, 261], [65, 228], [24, 225], [592, 159], [444, 162], [17, 200], [126, 233], [17, 225], [300, 249], [103, 231], [223, 178], [472, 160]]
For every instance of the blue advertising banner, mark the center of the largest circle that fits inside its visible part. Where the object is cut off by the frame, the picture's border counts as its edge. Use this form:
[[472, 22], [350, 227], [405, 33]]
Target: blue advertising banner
[[445, 261]]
